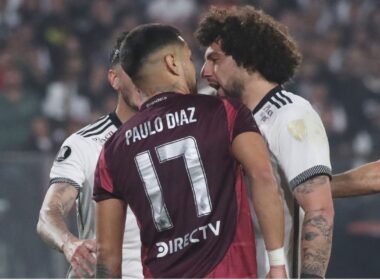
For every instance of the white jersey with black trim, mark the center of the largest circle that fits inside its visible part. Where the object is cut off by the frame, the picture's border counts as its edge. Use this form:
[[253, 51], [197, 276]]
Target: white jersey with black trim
[[75, 164], [299, 151]]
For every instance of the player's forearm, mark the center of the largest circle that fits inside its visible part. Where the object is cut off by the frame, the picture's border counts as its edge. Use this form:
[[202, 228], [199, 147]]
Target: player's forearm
[[110, 217], [53, 229], [107, 266], [317, 231], [270, 212], [363, 180], [51, 226]]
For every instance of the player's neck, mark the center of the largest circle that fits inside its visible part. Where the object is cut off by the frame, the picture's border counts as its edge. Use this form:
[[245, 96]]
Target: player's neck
[[255, 90], [166, 87], [124, 112]]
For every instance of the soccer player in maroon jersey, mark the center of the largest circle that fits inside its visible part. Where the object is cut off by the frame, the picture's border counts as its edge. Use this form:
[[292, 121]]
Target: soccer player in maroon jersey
[[176, 164]]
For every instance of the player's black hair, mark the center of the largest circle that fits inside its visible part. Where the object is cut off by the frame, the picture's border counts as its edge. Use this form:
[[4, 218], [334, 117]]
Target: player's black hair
[[254, 39], [144, 40], [115, 53]]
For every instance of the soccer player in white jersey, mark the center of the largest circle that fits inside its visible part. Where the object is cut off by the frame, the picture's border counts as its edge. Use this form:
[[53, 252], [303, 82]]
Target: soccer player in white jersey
[[250, 55], [72, 179]]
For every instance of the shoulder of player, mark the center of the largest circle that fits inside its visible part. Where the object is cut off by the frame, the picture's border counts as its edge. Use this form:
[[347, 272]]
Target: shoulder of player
[[274, 105], [296, 110], [280, 104], [99, 131], [95, 127]]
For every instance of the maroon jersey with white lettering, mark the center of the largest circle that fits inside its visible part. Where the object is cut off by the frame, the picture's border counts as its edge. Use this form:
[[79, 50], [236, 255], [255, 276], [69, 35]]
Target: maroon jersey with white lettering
[[172, 164]]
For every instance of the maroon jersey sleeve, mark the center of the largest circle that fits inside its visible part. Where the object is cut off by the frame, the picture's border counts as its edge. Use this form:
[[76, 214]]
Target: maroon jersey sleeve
[[103, 187], [239, 118]]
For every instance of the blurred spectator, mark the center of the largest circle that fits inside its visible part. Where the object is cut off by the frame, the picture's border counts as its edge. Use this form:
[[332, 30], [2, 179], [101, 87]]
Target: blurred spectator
[[17, 106], [41, 138]]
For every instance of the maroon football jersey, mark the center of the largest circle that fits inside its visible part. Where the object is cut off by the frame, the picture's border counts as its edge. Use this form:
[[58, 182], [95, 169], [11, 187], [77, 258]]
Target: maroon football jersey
[[173, 165]]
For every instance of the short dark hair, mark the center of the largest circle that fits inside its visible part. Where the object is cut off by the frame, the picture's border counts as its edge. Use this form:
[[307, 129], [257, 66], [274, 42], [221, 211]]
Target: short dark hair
[[254, 39], [142, 41], [115, 53]]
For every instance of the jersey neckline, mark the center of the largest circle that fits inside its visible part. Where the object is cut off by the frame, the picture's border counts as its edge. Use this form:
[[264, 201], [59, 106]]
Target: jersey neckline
[[115, 119], [157, 99], [266, 98]]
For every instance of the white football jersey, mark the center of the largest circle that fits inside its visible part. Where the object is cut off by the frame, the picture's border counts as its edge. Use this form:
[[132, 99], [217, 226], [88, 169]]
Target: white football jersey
[[299, 150], [75, 164]]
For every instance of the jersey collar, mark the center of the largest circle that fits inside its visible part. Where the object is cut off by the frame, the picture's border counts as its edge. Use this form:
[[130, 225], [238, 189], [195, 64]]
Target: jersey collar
[[115, 119], [156, 99], [266, 98]]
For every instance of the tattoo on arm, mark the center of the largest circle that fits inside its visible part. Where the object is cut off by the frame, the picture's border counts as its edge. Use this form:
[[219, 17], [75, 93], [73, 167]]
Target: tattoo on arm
[[315, 261], [317, 239], [317, 228], [320, 223], [310, 185]]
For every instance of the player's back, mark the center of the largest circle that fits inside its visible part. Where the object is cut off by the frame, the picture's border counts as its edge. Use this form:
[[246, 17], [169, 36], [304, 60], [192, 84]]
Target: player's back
[[172, 164]]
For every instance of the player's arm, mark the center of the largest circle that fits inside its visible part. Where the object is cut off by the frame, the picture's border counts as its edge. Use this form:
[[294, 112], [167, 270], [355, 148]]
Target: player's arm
[[251, 151], [314, 196], [363, 180], [110, 217], [52, 228]]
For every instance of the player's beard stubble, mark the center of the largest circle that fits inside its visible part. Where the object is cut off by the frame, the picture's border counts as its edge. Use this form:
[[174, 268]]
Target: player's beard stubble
[[234, 88]]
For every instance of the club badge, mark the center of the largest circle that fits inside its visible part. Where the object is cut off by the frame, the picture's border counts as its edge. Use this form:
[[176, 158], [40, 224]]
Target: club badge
[[63, 154]]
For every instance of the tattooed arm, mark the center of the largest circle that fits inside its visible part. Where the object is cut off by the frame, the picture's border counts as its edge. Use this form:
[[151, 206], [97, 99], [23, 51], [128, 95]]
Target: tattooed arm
[[53, 230], [314, 196], [110, 222], [363, 180]]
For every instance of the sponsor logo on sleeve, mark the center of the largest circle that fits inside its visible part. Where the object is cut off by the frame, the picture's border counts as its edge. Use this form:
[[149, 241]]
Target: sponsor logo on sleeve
[[63, 153]]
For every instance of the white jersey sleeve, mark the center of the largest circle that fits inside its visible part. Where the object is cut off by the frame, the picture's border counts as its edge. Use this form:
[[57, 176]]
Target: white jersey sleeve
[[72, 162], [301, 145]]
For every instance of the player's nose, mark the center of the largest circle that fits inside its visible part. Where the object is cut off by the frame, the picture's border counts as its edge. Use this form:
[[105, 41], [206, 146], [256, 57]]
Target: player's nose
[[206, 71]]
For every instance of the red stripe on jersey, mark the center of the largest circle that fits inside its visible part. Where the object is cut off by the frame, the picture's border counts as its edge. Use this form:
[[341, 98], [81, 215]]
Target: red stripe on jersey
[[105, 178], [240, 259], [144, 255], [231, 116]]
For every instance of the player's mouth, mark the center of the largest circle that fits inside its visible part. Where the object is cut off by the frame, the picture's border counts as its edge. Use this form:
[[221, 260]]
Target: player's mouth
[[213, 84]]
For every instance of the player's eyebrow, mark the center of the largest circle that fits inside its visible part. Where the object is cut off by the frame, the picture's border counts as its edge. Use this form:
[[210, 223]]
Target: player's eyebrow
[[211, 55]]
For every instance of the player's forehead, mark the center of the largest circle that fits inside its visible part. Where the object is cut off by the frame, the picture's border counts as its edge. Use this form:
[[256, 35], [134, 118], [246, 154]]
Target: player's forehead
[[213, 50]]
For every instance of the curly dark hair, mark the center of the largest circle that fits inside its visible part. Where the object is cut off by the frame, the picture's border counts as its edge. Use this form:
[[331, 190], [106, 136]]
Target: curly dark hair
[[254, 39]]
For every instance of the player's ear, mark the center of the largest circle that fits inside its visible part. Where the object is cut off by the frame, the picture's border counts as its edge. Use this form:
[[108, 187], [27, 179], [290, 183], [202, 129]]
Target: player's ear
[[113, 79], [171, 63]]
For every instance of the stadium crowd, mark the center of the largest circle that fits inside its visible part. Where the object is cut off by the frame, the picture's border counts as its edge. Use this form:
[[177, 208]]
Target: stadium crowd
[[54, 59]]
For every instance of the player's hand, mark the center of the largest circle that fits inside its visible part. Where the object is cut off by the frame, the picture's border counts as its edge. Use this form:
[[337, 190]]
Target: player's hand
[[81, 256], [277, 272]]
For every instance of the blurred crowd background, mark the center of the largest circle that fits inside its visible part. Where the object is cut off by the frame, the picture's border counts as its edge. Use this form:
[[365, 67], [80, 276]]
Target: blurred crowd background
[[53, 80], [54, 59]]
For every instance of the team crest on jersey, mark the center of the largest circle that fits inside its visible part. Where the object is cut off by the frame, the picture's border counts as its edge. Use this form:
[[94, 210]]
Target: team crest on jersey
[[63, 153], [297, 129]]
